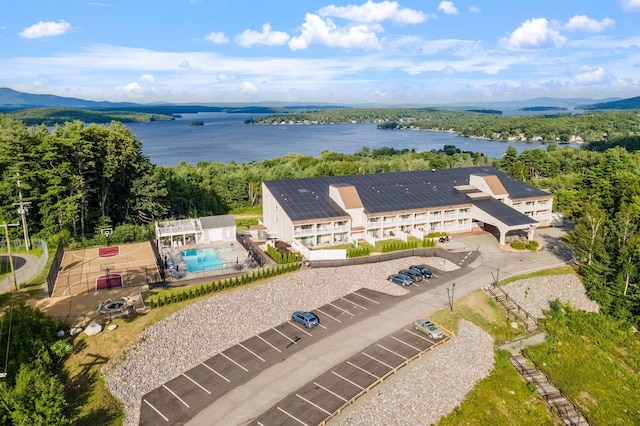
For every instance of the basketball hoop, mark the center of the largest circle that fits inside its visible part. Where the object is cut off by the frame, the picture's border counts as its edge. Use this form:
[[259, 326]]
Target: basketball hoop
[[107, 267], [107, 232]]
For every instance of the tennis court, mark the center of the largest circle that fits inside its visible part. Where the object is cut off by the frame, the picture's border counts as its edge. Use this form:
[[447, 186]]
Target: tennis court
[[105, 268]]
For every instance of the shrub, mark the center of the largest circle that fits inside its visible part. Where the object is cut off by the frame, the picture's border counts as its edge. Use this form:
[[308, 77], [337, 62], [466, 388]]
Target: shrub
[[518, 245], [533, 245]]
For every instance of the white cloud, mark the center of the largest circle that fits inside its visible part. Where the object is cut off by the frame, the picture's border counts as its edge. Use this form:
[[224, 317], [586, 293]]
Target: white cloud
[[374, 12], [148, 78], [584, 23], [46, 29], [630, 5], [533, 34], [185, 65], [473, 9], [130, 88], [97, 4], [267, 37], [588, 75], [248, 88], [315, 30], [448, 8], [217, 38]]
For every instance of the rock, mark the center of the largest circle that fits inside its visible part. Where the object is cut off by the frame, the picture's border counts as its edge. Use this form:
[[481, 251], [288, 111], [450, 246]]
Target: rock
[[92, 329], [112, 327], [75, 331], [60, 333]]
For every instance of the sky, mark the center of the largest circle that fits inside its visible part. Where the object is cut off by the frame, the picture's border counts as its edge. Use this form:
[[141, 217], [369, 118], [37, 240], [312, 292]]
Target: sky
[[406, 52]]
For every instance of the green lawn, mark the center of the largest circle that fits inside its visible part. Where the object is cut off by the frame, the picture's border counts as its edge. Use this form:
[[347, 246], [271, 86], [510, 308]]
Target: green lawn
[[502, 398], [595, 360]]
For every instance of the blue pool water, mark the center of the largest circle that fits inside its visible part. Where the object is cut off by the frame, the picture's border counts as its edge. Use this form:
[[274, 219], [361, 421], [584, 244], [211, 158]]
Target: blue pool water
[[201, 260]]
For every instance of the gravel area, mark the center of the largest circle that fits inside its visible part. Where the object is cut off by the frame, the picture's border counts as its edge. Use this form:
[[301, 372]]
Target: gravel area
[[199, 331], [432, 386], [534, 294]]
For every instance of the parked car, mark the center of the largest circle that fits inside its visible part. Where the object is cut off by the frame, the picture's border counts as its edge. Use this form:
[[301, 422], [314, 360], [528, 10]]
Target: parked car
[[307, 319], [417, 276], [426, 272], [400, 279], [428, 328]]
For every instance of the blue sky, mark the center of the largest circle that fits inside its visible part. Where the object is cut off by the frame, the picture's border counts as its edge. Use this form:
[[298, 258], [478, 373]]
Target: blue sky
[[347, 52]]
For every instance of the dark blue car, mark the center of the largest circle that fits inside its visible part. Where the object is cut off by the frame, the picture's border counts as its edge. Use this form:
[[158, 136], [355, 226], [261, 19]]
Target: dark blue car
[[400, 279], [423, 270], [307, 319]]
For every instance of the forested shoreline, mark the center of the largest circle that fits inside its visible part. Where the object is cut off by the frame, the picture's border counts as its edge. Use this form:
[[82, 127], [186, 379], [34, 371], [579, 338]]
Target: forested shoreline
[[554, 128]]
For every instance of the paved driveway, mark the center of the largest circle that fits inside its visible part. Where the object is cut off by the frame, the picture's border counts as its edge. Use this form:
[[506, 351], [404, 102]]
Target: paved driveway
[[247, 402]]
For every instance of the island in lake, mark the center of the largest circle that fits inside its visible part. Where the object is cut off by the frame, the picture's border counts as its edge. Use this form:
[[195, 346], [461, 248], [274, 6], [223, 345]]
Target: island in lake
[[196, 123]]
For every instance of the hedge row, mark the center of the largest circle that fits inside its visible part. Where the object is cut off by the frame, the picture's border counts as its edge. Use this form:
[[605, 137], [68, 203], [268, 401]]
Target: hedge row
[[358, 252], [402, 245], [223, 284], [283, 259]]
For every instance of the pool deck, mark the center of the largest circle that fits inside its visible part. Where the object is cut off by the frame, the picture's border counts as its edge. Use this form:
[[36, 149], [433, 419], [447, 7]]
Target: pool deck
[[230, 253]]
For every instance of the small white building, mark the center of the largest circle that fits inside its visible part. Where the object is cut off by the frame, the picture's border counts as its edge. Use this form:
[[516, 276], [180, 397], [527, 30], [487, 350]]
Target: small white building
[[204, 230]]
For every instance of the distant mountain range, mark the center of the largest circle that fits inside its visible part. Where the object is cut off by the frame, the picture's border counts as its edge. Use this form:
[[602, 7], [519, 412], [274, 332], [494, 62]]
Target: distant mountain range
[[11, 100]]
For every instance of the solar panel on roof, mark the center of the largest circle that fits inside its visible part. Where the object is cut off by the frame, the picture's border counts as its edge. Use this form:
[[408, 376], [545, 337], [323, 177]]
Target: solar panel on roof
[[389, 192]]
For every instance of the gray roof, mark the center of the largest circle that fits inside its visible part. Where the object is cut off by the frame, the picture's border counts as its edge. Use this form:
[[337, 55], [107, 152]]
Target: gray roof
[[505, 214], [215, 222], [308, 198]]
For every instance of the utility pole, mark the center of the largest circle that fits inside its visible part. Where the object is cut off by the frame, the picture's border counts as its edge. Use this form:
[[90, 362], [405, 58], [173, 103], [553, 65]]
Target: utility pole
[[13, 269], [23, 208]]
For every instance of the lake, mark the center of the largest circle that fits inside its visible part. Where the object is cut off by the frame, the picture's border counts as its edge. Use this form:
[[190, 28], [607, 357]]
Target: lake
[[225, 138]]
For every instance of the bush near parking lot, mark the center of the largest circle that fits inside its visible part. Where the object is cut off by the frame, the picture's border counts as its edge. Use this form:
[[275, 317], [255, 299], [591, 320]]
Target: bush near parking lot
[[399, 245], [223, 284], [282, 258], [358, 251]]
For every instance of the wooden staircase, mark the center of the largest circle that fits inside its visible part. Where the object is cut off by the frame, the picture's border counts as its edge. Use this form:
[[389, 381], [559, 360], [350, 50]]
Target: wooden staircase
[[529, 322], [567, 410]]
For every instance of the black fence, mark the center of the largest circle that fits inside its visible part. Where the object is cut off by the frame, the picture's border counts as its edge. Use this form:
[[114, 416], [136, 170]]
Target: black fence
[[159, 259], [55, 268], [255, 253], [423, 252]]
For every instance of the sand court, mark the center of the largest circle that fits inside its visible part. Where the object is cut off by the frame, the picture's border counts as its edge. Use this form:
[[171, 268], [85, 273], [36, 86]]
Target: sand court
[[103, 268]]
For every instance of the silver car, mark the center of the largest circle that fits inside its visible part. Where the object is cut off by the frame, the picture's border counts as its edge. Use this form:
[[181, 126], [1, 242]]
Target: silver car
[[428, 328]]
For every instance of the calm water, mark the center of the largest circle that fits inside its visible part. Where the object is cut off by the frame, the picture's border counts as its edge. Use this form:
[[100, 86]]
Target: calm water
[[224, 138], [201, 260]]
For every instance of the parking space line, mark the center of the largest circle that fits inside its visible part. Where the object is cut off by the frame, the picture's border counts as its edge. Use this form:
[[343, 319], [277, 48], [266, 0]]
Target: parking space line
[[362, 369], [228, 381], [376, 359], [260, 424], [251, 352], [405, 343], [331, 392], [366, 298], [343, 310], [322, 325], [293, 417], [389, 350], [233, 361], [301, 329], [286, 337], [264, 340], [197, 384], [156, 410], [311, 403], [323, 313], [177, 397], [347, 380], [353, 303], [419, 335]]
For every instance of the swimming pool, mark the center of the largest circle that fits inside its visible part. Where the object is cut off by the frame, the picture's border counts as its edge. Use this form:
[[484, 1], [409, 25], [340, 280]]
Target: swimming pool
[[200, 260]]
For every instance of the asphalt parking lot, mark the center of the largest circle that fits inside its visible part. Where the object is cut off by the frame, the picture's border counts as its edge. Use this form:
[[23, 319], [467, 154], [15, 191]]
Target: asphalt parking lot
[[317, 400], [184, 396]]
